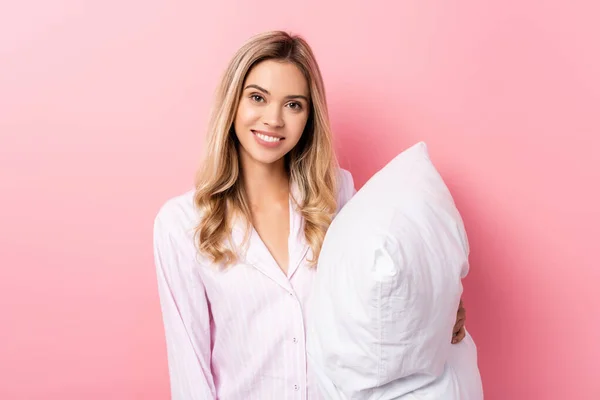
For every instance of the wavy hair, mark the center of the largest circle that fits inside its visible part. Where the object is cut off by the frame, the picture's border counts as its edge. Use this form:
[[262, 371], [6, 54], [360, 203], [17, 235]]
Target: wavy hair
[[311, 164]]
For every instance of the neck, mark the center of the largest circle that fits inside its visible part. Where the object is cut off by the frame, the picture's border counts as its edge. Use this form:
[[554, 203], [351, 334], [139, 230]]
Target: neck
[[265, 184]]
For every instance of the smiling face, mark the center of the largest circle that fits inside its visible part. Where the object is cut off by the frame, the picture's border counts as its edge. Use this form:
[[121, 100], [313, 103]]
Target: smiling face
[[272, 111]]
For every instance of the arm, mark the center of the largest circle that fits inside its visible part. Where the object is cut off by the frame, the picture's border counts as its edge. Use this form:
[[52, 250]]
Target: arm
[[185, 313]]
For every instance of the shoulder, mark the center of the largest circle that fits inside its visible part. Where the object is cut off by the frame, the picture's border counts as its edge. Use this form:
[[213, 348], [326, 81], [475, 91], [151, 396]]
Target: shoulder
[[177, 217], [345, 187]]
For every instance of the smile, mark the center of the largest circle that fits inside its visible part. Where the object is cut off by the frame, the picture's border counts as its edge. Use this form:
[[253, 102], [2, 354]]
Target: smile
[[266, 137]]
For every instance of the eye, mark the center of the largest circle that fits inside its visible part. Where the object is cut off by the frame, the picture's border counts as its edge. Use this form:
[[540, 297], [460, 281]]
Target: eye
[[257, 98], [295, 106]]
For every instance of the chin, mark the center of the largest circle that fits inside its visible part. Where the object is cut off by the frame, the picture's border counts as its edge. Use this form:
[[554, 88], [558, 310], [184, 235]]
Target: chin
[[258, 154], [266, 159]]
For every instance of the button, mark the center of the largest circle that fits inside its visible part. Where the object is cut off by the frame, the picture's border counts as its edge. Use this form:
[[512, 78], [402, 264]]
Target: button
[[295, 340], [296, 387]]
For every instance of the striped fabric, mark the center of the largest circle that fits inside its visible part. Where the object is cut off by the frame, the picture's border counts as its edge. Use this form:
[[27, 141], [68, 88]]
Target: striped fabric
[[237, 333]]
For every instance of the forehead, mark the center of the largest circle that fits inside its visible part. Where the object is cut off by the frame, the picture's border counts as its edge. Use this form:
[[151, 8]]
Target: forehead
[[280, 78]]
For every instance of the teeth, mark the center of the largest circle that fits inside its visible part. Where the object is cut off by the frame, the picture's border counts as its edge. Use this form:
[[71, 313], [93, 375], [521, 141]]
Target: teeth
[[267, 138]]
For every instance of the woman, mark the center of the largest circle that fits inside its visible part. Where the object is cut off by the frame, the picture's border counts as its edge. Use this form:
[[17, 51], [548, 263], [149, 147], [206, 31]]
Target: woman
[[236, 256]]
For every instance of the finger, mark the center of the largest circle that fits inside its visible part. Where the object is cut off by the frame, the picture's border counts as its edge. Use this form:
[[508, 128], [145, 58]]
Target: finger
[[458, 326], [459, 336]]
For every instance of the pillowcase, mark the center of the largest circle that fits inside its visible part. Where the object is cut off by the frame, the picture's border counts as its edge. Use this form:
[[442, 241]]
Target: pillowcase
[[387, 291]]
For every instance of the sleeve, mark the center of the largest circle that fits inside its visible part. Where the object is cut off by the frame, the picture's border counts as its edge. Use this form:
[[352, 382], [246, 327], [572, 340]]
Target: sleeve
[[346, 189], [186, 318]]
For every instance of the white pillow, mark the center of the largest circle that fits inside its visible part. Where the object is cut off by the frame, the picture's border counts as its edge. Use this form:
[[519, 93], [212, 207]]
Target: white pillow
[[387, 291]]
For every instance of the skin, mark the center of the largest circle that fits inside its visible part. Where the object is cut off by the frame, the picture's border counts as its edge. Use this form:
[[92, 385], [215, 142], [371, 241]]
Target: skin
[[276, 101], [458, 332]]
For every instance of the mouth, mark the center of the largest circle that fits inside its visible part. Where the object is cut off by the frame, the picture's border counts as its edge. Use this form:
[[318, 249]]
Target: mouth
[[267, 136]]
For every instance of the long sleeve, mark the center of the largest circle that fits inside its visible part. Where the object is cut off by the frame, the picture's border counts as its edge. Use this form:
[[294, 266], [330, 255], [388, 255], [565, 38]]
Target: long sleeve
[[186, 316]]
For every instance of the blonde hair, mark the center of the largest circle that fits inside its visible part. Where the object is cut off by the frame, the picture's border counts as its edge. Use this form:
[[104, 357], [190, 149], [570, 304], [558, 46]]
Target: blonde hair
[[311, 164]]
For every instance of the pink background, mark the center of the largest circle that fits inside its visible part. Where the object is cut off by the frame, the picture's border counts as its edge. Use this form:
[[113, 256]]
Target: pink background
[[103, 106]]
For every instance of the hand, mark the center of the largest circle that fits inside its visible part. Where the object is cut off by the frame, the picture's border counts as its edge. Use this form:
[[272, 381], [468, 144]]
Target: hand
[[458, 333]]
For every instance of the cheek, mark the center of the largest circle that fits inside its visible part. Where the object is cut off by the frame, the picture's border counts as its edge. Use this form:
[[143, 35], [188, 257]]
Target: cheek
[[246, 115], [297, 125]]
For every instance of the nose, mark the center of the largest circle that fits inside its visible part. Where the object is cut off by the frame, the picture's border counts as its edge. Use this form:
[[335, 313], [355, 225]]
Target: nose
[[273, 116]]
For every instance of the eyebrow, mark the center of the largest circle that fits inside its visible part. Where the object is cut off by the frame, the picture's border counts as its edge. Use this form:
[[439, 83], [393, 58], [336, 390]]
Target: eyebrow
[[265, 91]]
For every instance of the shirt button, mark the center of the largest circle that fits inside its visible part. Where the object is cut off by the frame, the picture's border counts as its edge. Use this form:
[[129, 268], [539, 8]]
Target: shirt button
[[296, 387], [295, 340]]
